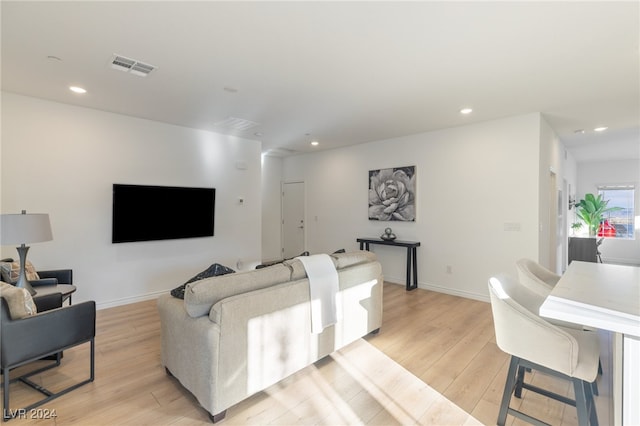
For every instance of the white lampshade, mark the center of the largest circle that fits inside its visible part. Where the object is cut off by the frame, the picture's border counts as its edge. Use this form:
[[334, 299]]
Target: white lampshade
[[24, 228]]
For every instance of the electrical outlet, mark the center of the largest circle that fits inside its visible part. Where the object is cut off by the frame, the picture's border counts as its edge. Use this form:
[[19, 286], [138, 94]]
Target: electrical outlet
[[449, 269], [512, 226]]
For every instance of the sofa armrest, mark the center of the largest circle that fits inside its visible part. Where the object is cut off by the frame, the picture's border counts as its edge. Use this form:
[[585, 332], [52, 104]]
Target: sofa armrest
[[45, 333], [64, 276]]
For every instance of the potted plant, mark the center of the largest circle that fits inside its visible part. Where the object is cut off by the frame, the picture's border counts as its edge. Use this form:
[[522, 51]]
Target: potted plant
[[575, 227], [591, 210]]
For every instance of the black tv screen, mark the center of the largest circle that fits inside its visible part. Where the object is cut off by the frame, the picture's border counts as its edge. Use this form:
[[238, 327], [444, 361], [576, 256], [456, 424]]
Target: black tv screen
[[147, 213]]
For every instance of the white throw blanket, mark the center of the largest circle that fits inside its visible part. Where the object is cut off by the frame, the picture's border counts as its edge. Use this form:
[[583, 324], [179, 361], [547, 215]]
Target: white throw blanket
[[323, 288]]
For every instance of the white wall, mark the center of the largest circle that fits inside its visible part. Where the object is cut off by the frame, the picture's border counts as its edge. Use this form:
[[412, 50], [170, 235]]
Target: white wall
[[473, 181], [63, 160], [594, 173]]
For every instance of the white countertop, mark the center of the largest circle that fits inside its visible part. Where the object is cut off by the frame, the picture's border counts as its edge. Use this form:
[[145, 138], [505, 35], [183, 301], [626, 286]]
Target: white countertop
[[598, 295]]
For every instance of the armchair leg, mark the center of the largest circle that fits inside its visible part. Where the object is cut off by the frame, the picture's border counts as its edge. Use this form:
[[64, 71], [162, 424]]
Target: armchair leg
[[8, 413], [5, 395]]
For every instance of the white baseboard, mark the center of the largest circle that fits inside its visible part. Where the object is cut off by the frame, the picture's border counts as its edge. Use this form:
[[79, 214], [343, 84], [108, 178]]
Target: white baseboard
[[454, 292], [445, 290], [128, 300], [425, 286]]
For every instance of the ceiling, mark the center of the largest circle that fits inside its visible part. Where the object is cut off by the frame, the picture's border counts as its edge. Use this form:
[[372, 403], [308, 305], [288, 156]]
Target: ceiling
[[341, 73]]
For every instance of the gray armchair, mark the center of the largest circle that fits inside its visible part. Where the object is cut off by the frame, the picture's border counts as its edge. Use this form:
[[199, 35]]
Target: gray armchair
[[31, 338], [50, 277], [54, 277]]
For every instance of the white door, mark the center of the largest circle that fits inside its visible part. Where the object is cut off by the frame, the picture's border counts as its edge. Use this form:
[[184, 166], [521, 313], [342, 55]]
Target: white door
[[292, 219]]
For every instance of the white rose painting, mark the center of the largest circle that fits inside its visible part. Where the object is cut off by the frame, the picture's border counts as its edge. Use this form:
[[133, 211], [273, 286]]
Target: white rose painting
[[392, 194]]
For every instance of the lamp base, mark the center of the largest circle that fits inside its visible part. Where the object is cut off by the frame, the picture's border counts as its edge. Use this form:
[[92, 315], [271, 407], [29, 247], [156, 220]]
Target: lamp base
[[23, 282]]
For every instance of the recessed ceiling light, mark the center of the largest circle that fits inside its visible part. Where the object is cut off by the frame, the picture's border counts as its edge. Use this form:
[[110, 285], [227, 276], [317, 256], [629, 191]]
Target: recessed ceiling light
[[600, 129], [315, 143], [466, 111], [579, 131], [77, 89]]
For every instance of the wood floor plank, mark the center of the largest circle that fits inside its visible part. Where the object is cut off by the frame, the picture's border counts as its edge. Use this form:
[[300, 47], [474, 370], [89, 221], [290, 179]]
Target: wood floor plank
[[469, 386]]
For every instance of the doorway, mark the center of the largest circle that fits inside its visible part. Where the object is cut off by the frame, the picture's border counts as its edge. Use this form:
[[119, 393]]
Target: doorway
[[293, 226]]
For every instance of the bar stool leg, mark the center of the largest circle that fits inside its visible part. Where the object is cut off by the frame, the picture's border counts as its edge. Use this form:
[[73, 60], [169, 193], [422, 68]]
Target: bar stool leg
[[519, 381], [584, 403], [508, 390]]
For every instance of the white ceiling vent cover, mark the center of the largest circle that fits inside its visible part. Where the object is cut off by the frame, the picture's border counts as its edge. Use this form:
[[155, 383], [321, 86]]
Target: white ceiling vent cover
[[138, 68], [235, 123]]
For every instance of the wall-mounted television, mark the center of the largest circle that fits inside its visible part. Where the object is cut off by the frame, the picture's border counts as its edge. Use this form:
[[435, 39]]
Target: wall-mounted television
[[148, 213]]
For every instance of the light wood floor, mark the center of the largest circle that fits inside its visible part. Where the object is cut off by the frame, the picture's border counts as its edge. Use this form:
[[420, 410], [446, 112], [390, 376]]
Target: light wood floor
[[434, 361]]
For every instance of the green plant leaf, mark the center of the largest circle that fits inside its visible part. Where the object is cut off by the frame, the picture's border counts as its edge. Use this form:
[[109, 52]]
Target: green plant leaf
[[590, 206]]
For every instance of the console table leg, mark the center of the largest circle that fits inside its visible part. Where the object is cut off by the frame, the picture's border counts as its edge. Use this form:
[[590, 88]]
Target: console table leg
[[415, 267], [412, 256], [408, 268]]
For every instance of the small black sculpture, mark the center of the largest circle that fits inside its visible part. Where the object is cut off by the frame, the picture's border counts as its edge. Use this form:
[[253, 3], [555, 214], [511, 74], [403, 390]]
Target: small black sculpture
[[388, 235]]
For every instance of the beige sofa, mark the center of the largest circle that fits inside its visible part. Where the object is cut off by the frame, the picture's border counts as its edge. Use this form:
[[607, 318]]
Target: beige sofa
[[236, 334]]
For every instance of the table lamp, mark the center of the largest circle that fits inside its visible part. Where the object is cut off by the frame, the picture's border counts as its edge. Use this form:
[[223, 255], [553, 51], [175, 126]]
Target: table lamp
[[23, 229]]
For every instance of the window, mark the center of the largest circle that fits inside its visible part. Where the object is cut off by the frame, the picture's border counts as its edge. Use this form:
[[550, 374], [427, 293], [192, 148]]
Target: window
[[621, 196]]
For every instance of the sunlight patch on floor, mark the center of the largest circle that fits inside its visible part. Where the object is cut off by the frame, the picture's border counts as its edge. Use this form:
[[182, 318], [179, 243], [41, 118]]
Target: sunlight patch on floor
[[360, 385]]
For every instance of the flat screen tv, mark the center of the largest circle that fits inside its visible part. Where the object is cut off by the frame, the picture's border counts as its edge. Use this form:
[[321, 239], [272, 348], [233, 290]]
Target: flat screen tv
[[148, 213]]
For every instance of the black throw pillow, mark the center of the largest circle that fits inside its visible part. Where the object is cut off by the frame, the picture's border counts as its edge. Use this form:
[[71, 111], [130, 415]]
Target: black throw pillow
[[212, 271]]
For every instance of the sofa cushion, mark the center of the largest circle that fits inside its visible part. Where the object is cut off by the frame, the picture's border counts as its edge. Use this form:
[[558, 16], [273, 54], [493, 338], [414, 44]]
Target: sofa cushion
[[19, 301], [212, 271], [296, 269], [11, 271], [340, 258], [344, 260], [199, 296], [275, 262]]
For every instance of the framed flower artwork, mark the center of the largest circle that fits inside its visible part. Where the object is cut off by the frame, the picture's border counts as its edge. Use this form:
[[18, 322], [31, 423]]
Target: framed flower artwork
[[392, 194]]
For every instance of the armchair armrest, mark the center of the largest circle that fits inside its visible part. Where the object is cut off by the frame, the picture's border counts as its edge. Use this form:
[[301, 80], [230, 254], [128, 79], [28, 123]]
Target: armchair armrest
[[46, 333], [48, 302], [43, 282], [64, 276]]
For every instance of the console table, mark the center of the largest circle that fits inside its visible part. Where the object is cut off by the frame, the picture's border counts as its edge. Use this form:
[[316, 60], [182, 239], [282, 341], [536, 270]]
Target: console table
[[412, 255]]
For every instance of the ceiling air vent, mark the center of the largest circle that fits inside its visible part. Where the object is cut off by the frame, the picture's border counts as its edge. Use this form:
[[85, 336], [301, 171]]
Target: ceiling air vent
[[280, 152], [235, 123], [138, 68]]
